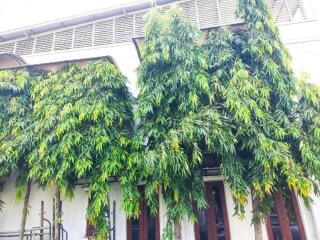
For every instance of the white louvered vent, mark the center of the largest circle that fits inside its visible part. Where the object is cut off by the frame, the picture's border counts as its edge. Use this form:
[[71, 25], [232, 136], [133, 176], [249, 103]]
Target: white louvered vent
[[24, 47], [123, 29], [164, 9], [227, 12], [280, 10], [201, 13], [208, 11], [140, 21], [189, 12], [103, 33], [83, 36], [297, 10], [7, 48], [43, 43], [63, 40]]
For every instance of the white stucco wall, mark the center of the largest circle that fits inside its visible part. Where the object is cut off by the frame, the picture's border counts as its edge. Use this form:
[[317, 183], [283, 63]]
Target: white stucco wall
[[303, 41], [125, 56], [73, 210]]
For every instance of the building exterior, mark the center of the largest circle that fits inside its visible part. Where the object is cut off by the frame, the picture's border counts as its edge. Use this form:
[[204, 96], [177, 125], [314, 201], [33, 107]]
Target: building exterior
[[114, 34]]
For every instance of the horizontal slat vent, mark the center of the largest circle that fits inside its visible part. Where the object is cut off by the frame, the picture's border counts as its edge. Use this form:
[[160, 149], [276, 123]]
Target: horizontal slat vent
[[208, 11], [83, 36], [201, 13], [24, 47], [189, 12], [123, 29], [43, 43], [279, 10], [63, 40], [227, 12], [164, 9], [297, 10], [7, 48], [103, 33], [140, 21]]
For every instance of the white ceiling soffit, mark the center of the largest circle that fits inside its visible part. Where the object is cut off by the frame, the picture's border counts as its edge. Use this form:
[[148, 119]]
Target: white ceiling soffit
[[121, 25]]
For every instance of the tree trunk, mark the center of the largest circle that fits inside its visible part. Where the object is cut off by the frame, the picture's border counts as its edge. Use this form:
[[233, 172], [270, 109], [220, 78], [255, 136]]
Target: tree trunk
[[177, 230], [58, 213], [257, 223], [25, 211]]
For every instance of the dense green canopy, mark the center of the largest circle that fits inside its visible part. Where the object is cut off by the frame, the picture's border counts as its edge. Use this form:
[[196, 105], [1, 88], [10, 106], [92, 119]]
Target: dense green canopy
[[15, 117], [83, 121], [230, 93], [80, 128], [178, 120]]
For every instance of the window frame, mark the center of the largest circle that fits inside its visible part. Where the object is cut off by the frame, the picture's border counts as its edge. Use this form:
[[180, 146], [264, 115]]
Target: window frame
[[210, 214], [283, 218], [90, 229], [143, 220]]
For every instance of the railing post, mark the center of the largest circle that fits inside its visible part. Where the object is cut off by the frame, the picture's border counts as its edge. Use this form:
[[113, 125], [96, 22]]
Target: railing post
[[114, 220], [41, 220], [53, 218], [58, 213]]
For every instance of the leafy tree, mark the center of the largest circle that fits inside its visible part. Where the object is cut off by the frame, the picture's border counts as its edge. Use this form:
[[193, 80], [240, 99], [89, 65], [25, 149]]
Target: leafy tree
[[15, 115], [82, 128], [251, 72], [177, 121], [234, 95]]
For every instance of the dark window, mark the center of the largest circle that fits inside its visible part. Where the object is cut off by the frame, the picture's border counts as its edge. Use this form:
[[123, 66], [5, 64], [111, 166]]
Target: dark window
[[90, 231], [213, 222], [285, 221], [211, 164], [146, 227]]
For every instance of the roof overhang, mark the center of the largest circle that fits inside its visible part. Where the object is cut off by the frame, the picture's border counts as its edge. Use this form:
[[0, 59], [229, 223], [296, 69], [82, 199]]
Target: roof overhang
[[49, 66], [80, 19]]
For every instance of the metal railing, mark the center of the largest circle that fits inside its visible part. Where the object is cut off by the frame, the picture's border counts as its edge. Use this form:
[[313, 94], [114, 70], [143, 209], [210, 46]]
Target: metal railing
[[35, 233], [41, 232]]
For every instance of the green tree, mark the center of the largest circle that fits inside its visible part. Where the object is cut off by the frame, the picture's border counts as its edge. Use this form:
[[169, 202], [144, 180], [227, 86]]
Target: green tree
[[16, 115], [82, 129], [235, 95], [177, 121], [251, 72]]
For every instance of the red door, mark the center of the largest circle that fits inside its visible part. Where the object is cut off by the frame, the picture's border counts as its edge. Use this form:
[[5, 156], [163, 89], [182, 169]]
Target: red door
[[146, 227], [284, 221], [213, 222]]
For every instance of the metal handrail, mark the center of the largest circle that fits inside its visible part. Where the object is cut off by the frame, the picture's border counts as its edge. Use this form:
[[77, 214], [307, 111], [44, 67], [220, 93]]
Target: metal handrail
[[62, 233], [49, 223], [28, 233]]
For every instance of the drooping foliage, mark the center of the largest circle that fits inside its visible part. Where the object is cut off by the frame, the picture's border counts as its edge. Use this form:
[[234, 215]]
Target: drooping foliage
[[15, 116], [306, 145], [82, 127], [269, 150], [233, 94], [177, 119], [79, 130]]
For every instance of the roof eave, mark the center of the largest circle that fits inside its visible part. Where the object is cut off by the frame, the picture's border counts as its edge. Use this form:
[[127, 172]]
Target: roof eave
[[79, 19]]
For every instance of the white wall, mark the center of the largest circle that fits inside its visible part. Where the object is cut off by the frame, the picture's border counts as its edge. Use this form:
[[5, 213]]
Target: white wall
[[125, 56], [303, 41], [73, 211]]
